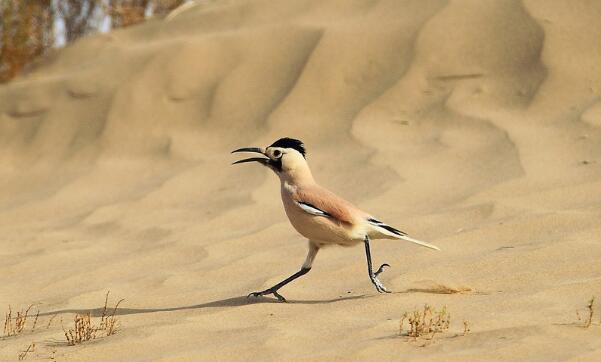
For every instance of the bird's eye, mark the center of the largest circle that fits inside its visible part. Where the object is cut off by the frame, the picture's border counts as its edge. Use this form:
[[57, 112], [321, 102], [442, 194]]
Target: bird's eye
[[277, 153]]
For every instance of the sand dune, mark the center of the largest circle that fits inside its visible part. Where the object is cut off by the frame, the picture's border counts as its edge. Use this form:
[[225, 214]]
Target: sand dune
[[472, 124]]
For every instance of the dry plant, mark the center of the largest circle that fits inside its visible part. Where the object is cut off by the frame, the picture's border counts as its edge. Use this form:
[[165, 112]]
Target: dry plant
[[14, 325], [466, 328], [51, 320], [30, 349], [108, 323], [426, 322], [590, 313], [35, 321], [84, 329]]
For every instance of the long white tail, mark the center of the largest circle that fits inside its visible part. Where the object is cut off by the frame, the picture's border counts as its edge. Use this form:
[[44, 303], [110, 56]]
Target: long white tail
[[397, 234], [418, 242]]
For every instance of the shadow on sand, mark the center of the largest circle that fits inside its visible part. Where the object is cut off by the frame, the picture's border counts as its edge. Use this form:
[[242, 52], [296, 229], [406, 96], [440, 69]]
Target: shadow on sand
[[227, 302]]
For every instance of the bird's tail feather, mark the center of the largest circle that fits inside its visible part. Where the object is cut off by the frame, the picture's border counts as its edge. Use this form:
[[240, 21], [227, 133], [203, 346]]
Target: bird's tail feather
[[419, 242], [398, 234]]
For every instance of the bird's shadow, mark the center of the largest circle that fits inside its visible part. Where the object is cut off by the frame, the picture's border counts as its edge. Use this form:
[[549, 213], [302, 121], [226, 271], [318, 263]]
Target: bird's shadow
[[221, 303], [238, 301]]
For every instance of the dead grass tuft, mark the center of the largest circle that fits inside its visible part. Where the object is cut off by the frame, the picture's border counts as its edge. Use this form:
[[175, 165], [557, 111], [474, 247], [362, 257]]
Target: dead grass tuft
[[15, 324], [108, 323], [425, 323], [84, 329]]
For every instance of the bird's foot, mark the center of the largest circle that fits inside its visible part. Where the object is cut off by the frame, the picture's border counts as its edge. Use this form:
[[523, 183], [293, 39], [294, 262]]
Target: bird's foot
[[376, 282], [267, 292]]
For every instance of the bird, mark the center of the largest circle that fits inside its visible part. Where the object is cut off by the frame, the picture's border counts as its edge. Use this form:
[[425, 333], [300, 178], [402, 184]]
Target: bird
[[318, 214]]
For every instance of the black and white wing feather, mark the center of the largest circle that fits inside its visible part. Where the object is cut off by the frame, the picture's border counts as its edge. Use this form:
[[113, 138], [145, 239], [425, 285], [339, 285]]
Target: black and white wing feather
[[384, 226], [398, 234], [311, 209]]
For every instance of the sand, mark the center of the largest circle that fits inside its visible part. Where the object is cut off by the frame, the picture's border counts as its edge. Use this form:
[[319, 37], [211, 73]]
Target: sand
[[474, 125]]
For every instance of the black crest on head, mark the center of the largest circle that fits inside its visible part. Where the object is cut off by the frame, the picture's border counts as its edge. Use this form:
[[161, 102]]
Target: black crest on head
[[290, 143]]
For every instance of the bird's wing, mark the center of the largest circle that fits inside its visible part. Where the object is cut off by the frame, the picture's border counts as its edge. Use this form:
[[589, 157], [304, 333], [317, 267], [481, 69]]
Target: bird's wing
[[308, 208], [318, 201]]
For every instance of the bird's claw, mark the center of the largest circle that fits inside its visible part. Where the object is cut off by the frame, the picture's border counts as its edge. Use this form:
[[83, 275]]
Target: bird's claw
[[267, 292], [378, 284], [381, 269]]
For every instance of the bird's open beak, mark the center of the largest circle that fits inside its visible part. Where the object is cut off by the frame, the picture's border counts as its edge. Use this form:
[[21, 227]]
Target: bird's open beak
[[261, 160]]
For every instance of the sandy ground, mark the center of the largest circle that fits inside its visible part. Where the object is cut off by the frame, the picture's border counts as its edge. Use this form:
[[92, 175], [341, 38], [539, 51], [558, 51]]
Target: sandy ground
[[475, 125]]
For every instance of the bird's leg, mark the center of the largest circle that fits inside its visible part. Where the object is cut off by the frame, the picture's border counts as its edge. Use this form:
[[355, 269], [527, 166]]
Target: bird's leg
[[313, 249], [374, 276], [274, 290]]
